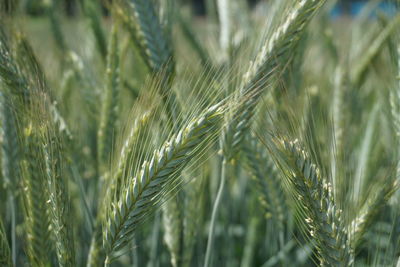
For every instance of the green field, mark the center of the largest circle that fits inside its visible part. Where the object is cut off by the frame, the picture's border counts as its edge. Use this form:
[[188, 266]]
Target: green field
[[148, 136]]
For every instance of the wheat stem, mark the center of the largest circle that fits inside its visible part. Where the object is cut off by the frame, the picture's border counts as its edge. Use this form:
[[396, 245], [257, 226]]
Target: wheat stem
[[13, 232], [217, 202], [6, 258], [92, 11], [358, 75]]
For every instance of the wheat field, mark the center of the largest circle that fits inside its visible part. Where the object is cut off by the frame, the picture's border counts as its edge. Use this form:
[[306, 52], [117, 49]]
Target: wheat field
[[137, 133]]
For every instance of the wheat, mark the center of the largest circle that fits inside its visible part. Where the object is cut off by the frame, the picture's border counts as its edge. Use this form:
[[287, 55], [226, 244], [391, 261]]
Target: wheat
[[109, 112], [264, 171], [174, 228], [59, 201], [155, 177], [10, 144], [369, 211], [260, 72], [322, 218], [274, 53], [35, 194], [149, 35]]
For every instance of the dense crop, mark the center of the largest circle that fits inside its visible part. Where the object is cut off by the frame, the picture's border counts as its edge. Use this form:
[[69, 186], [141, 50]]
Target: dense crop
[[264, 136]]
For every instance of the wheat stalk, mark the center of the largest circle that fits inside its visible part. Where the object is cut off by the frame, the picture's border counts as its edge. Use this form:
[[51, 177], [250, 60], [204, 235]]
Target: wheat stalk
[[395, 118], [92, 11], [5, 254], [358, 74], [56, 31]]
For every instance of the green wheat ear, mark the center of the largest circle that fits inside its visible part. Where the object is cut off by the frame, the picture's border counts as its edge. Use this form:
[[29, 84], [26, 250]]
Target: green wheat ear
[[271, 58], [314, 200], [173, 222], [109, 112], [369, 211], [266, 175], [10, 147], [35, 200], [156, 178], [140, 17], [59, 201]]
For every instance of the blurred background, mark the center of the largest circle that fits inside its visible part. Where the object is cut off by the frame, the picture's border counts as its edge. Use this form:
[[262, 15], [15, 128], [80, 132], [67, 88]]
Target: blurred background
[[71, 7]]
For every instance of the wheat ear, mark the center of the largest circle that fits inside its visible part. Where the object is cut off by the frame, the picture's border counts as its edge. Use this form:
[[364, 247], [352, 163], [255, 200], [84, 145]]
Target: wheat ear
[[273, 54], [193, 216], [156, 178], [129, 153], [260, 72], [263, 170], [24, 82], [59, 202], [10, 145], [149, 35], [173, 228], [35, 196], [314, 200], [368, 212], [110, 100]]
